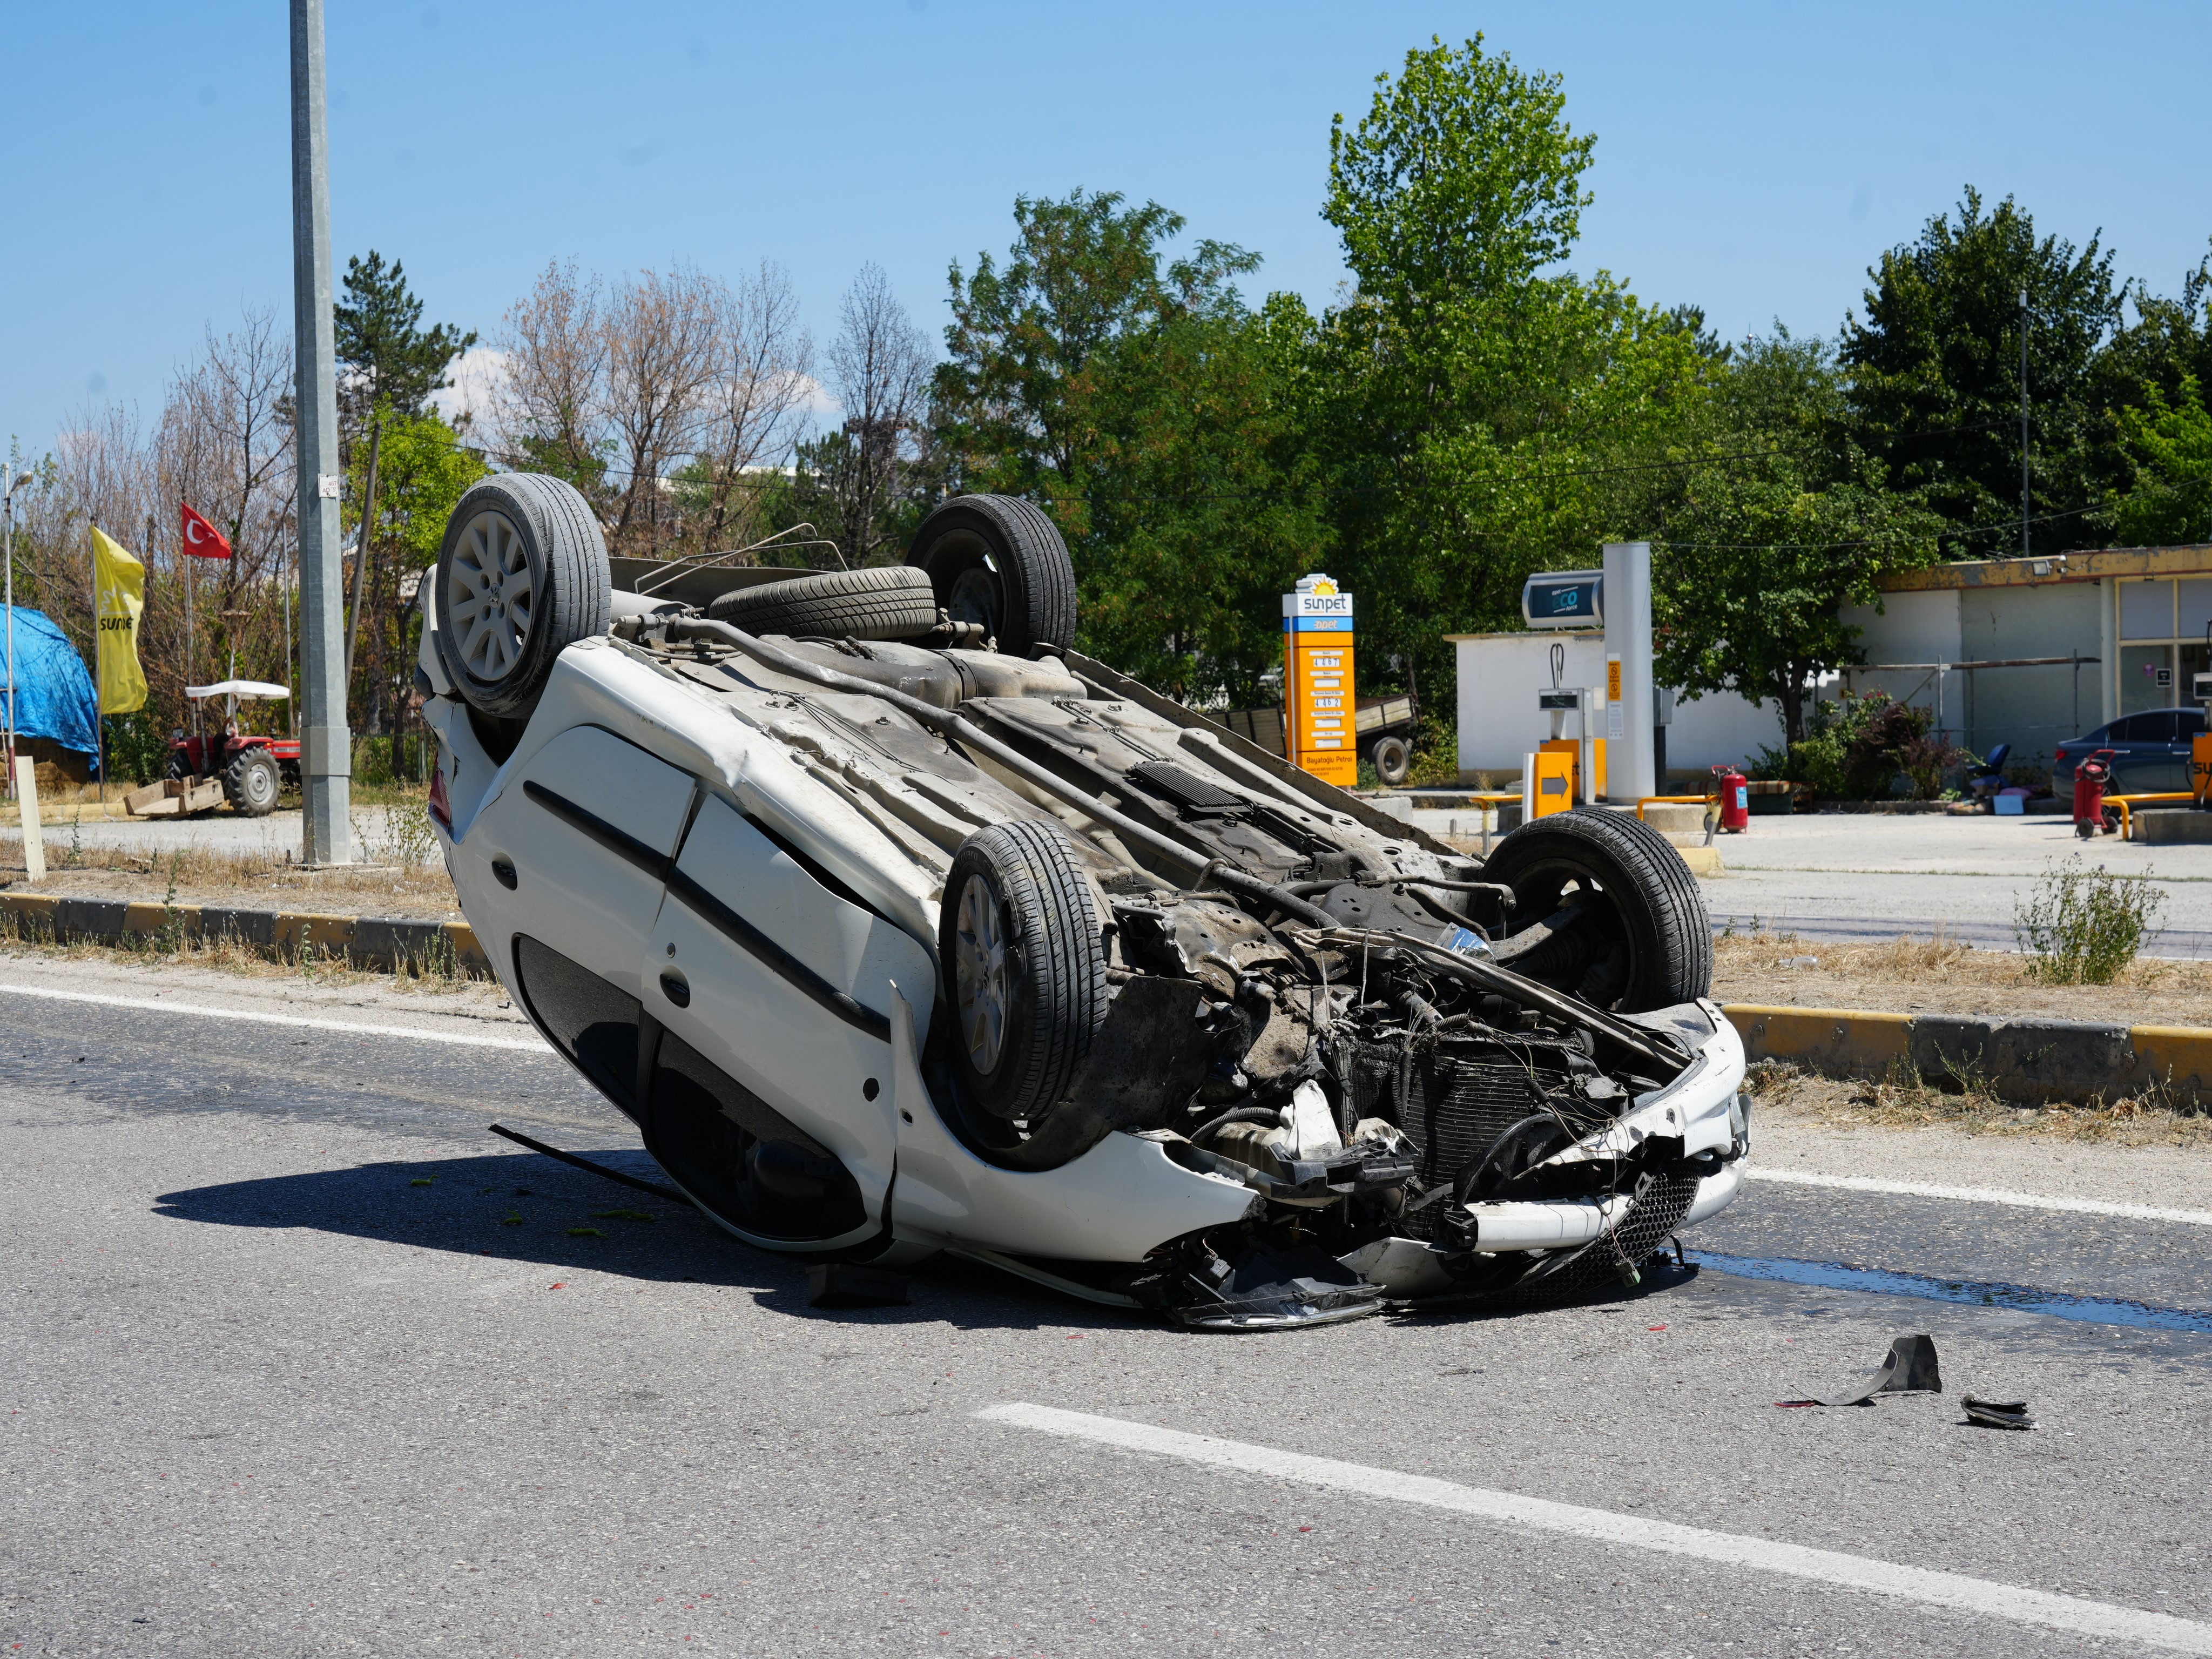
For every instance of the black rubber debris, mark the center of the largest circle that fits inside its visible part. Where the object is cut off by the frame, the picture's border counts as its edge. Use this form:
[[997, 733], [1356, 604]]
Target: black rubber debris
[[1998, 1414], [843, 1284], [1909, 1368]]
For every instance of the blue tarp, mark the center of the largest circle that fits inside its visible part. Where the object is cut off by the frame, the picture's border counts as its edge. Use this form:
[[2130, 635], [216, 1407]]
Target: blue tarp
[[53, 694]]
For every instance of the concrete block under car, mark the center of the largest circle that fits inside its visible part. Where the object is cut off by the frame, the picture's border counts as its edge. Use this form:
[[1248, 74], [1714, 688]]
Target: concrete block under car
[[2170, 826], [1682, 817]]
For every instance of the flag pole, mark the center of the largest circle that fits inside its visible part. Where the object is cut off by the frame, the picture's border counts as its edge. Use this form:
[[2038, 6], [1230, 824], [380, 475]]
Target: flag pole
[[183, 557]]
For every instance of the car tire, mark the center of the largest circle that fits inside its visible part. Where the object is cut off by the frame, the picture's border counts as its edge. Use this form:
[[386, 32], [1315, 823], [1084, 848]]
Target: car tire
[[522, 576], [997, 560], [1393, 760], [1025, 967], [877, 602], [1655, 907], [250, 783]]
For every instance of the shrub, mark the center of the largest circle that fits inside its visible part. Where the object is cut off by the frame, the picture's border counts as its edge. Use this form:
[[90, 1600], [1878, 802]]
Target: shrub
[[2082, 926], [1854, 747]]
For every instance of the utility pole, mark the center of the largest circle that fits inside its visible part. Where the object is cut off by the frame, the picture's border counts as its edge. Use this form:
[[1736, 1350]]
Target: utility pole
[[326, 751], [2023, 424]]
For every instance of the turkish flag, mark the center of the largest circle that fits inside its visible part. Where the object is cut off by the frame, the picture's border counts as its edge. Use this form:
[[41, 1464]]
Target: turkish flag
[[202, 539]]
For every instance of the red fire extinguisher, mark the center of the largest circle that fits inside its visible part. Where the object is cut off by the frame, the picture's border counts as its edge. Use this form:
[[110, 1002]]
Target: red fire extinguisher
[[2091, 773], [1735, 790]]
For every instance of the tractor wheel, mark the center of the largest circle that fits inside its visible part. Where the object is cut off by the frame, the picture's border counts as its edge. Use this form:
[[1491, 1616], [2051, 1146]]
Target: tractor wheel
[[251, 782]]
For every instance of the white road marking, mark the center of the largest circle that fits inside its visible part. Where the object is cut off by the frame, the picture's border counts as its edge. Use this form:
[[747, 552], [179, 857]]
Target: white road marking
[[1983, 1195], [531, 1044], [1941, 1590]]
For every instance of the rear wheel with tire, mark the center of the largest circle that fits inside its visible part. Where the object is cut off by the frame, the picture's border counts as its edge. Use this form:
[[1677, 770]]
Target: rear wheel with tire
[[877, 602], [1393, 760], [1024, 968], [522, 576], [997, 560], [1643, 940], [252, 782]]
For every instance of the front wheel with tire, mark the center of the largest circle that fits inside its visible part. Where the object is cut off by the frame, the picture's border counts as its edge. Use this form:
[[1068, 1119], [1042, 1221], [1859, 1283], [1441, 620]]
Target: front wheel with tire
[[997, 560], [1025, 967], [252, 783], [522, 576], [1642, 940]]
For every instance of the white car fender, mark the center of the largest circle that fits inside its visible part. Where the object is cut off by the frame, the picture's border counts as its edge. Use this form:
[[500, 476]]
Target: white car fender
[[1114, 1203]]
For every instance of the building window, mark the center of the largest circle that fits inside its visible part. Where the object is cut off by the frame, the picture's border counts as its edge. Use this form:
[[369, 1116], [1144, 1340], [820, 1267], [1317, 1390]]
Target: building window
[[2163, 630]]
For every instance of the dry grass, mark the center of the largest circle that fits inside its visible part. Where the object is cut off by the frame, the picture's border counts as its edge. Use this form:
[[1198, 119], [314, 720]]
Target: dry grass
[[1902, 1100], [1932, 973], [402, 875]]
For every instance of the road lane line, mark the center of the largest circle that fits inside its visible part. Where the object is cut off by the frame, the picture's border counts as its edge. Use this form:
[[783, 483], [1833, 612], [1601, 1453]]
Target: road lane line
[[1982, 1195], [1921, 1584], [531, 1044]]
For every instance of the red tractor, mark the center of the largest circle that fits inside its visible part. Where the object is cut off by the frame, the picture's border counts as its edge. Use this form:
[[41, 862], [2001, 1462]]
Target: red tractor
[[253, 769]]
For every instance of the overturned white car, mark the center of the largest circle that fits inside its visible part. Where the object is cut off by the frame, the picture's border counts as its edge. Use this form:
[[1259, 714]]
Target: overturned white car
[[897, 927]]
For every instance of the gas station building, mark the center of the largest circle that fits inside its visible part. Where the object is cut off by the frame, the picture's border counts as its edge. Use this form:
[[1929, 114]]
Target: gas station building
[[2025, 651]]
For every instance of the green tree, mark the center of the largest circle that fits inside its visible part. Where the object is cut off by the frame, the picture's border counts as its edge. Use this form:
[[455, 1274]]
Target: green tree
[[1935, 375], [1782, 522], [391, 359], [1476, 403], [423, 470], [1136, 398], [2169, 498]]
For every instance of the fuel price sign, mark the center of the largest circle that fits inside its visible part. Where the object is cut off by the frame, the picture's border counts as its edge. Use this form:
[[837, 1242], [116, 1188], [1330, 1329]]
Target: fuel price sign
[[1321, 718]]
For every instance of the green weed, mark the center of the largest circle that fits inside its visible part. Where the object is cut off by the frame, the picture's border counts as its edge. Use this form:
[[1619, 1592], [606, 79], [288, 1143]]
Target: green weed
[[2082, 926]]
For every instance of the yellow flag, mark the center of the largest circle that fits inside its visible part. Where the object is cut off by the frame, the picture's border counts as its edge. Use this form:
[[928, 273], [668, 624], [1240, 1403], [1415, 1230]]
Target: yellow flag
[[119, 588]]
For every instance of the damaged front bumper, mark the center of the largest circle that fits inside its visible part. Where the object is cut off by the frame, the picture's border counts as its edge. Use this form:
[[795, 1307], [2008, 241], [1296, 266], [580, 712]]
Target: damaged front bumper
[[1678, 1154]]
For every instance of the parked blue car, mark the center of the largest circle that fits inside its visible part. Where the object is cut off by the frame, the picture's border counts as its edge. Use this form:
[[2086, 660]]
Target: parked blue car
[[2150, 750]]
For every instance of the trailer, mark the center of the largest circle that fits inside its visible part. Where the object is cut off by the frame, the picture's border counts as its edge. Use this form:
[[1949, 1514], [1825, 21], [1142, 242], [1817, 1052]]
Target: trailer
[[1384, 726]]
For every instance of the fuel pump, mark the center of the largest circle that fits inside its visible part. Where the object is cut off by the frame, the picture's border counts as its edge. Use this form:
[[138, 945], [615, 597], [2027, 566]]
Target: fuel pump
[[1586, 748]]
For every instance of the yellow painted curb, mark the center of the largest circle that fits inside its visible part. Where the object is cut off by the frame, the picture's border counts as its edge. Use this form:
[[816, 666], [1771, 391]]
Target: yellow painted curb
[[1849, 1042], [2025, 1060], [2177, 1057], [1702, 860], [284, 935]]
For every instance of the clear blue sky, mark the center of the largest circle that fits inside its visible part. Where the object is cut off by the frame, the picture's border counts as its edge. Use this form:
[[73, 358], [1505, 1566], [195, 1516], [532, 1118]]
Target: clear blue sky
[[1754, 159]]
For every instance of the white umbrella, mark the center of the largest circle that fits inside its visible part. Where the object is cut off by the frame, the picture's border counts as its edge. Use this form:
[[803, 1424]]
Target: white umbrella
[[238, 689]]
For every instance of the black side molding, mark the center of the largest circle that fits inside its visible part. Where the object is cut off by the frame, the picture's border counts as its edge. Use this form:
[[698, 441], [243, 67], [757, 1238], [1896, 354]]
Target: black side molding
[[724, 920]]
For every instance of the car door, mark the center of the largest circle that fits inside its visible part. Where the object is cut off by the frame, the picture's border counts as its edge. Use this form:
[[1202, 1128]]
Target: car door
[[578, 841], [776, 980], [2151, 767]]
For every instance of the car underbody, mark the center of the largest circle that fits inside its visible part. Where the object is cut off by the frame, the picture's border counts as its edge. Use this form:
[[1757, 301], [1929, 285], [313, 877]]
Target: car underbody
[[896, 946]]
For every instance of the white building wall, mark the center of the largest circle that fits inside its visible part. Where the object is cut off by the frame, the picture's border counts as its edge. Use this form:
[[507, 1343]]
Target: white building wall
[[2033, 710], [1500, 674]]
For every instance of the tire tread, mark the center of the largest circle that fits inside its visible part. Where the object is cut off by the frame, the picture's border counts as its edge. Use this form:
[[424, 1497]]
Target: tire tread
[[875, 602], [1680, 930]]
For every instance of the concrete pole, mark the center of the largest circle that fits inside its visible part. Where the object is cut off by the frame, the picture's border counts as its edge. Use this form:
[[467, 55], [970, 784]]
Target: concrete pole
[[326, 750], [1629, 772]]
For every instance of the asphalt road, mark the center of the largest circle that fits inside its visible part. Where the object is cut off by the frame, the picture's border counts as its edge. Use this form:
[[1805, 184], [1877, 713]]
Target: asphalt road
[[301, 1361]]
